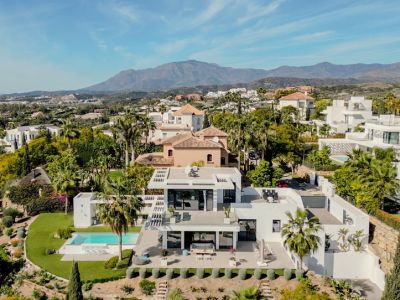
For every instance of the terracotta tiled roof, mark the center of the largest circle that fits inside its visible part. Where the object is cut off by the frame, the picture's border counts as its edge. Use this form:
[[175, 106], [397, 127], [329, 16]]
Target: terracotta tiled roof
[[177, 138], [194, 142], [296, 96], [188, 109], [155, 158], [165, 126], [211, 131]]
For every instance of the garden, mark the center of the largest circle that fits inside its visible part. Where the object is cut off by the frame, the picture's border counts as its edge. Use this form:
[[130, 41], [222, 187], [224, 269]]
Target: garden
[[42, 241]]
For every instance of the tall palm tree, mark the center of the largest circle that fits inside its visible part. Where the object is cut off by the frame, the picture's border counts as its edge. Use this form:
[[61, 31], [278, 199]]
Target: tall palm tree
[[301, 234], [69, 131], [162, 109], [120, 210], [148, 125], [123, 131]]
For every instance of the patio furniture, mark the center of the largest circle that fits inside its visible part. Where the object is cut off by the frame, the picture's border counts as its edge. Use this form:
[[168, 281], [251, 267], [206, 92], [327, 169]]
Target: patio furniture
[[233, 262], [140, 260], [185, 252], [164, 262], [202, 248]]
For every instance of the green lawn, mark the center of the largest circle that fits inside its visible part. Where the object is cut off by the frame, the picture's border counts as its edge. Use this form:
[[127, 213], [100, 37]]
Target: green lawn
[[41, 237], [116, 173]]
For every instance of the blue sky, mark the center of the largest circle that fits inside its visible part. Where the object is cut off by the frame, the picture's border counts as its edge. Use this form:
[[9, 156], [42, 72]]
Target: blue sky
[[58, 44]]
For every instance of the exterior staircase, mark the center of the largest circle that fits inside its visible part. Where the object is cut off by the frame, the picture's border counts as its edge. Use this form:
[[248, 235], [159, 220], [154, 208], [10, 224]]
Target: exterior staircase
[[266, 290], [162, 290]]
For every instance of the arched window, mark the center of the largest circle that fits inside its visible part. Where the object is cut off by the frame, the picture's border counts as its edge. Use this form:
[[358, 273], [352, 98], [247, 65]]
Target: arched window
[[170, 152], [209, 157]]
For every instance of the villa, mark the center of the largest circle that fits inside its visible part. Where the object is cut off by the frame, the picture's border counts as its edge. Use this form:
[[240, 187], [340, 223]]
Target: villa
[[344, 115], [303, 102], [16, 135], [209, 146]]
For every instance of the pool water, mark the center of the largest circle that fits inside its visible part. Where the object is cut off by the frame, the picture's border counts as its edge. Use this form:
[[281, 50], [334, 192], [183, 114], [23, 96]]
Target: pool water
[[340, 158], [103, 238]]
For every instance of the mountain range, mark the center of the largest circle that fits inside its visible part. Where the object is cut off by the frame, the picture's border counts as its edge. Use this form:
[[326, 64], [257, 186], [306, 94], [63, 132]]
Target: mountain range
[[193, 73]]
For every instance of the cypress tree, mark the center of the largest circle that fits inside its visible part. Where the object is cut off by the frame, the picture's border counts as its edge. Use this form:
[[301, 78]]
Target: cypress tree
[[26, 163], [74, 284], [206, 122], [392, 286]]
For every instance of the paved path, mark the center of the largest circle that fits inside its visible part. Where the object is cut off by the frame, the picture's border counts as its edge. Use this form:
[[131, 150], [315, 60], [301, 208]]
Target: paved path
[[368, 289]]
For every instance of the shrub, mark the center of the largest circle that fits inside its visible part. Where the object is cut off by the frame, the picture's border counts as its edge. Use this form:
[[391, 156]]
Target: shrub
[[38, 295], [242, 274], [8, 231], [64, 233], [389, 219], [13, 213], [176, 294], [169, 273], [126, 259], [50, 251], [215, 273], [164, 252], [142, 272], [124, 263], [21, 233], [14, 242], [127, 289], [184, 273], [257, 274], [8, 221], [287, 273], [155, 272], [111, 263], [228, 273], [87, 286], [18, 253], [270, 274], [147, 287], [200, 273], [299, 274]]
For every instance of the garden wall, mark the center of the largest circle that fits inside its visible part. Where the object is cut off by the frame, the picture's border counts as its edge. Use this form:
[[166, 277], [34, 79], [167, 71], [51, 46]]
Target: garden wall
[[383, 241]]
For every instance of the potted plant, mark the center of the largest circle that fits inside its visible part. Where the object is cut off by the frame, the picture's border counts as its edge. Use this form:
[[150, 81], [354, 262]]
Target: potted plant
[[164, 258], [227, 212], [172, 218]]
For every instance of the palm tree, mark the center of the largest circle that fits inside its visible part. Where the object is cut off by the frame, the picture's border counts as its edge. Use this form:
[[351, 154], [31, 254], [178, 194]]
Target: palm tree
[[301, 234], [163, 109], [123, 131], [148, 125], [251, 293], [120, 210], [69, 131]]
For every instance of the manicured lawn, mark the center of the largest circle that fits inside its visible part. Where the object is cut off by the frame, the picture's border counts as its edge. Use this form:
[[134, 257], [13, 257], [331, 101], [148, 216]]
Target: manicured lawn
[[41, 237], [115, 174]]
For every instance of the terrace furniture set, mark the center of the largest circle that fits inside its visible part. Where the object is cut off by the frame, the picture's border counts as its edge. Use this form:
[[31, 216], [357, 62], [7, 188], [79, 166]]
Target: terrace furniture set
[[270, 196]]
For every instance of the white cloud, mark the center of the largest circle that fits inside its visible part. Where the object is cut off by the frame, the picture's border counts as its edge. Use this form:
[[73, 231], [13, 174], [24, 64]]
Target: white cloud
[[313, 36], [122, 11], [258, 10], [212, 10]]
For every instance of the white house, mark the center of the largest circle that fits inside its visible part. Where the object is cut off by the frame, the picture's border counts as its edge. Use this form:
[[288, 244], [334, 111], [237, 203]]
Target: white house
[[344, 115], [29, 132], [303, 102]]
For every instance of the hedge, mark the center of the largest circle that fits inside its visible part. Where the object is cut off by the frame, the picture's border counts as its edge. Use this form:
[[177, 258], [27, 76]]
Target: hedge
[[389, 219]]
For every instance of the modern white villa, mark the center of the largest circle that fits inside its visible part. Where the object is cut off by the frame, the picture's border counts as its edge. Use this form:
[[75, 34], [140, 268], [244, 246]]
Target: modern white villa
[[344, 115], [205, 218], [16, 135]]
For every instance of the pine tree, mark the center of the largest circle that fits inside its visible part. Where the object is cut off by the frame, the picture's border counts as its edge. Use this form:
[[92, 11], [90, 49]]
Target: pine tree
[[392, 286], [74, 284]]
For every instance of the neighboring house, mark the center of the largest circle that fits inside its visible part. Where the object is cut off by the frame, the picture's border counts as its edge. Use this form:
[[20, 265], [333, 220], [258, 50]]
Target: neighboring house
[[209, 146], [177, 120], [89, 116], [344, 115], [30, 132], [303, 102]]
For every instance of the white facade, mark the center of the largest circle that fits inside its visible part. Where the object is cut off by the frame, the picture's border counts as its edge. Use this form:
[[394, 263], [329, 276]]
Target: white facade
[[344, 115], [29, 132]]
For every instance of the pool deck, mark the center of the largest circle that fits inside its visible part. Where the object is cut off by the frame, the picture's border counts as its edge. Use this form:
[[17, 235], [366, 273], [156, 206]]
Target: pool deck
[[86, 257]]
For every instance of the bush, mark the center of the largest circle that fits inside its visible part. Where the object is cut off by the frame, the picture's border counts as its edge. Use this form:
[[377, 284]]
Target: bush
[[176, 294], [200, 273], [287, 273], [14, 242], [147, 287], [8, 221], [127, 289], [215, 273], [389, 219], [50, 251], [8, 231], [228, 273], [155, 272], [299, 274], [21, 233], [270, 274], [126, 259], [242, 274], [64, 233], [142, 272], [18, 253], [111, 263], [184, 273], [44, 204], [164, 252], [257, 274], [13, 213], [87, 286], [169, 273]]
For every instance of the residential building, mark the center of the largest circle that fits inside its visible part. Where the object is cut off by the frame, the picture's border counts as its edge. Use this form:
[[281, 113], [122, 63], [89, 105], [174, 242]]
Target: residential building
[[17, 135], [344, 115], [303, 102], [209, 146]]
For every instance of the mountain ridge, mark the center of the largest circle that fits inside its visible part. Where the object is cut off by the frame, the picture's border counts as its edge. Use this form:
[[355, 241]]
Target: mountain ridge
[[193, 73]]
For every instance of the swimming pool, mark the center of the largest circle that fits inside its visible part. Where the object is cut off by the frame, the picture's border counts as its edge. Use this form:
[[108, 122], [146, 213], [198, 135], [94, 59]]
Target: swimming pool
[[107, 238], [341, 158]]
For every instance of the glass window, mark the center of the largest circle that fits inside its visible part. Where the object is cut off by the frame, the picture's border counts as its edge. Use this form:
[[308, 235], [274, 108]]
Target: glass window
[[276, 225], [391, 138], [225, 240], [209, 157], [170, 152], [174, 239]]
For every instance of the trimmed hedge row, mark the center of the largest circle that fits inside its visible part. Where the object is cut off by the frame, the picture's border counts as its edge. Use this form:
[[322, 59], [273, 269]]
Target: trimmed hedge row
[[200, 273], [388, 219]]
